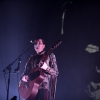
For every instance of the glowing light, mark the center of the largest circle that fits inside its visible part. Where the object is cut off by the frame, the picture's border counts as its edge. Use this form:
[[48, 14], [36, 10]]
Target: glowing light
[[92, 48]]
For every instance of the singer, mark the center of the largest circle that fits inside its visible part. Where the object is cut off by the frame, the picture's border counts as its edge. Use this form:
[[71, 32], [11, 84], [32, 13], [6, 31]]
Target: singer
[[45, 87]]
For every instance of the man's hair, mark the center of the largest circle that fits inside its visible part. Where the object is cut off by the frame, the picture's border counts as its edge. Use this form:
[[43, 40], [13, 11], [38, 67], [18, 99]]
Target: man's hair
[[41, 39]]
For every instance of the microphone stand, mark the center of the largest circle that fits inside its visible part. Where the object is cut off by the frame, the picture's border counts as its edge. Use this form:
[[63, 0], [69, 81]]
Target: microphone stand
[[9, 69], [16, 71], [8, 82], [18, 68]]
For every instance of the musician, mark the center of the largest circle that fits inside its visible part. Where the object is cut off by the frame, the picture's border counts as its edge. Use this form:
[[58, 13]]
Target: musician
[[47, 88]]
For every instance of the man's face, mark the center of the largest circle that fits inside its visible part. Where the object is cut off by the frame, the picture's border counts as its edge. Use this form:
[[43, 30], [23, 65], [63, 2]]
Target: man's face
[[39, 46]]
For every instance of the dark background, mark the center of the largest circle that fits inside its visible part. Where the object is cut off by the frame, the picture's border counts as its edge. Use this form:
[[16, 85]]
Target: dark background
[[22, 21]]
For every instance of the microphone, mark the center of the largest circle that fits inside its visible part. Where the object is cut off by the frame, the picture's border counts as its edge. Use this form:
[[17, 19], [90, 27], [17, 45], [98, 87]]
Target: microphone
[[35, 42], [31, 41]]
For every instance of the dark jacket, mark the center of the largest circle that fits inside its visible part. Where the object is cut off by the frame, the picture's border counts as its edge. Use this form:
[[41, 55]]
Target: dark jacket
[[49, 81]]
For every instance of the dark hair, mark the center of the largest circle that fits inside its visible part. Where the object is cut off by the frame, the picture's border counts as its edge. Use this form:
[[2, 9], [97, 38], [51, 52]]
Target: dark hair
[[41, 39]]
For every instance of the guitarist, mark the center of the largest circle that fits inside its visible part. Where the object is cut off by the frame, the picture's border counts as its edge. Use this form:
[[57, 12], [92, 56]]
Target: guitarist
[[47, 88]]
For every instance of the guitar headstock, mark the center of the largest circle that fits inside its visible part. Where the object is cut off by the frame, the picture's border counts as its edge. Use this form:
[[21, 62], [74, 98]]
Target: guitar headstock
[[48, 53]]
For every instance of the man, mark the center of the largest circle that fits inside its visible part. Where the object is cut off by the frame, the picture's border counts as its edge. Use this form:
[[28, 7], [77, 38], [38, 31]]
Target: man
[[47, 88]]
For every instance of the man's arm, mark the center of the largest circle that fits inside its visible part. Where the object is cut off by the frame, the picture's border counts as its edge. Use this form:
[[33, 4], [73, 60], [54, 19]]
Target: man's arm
[[54, 63], [53, 69], [24, 76]]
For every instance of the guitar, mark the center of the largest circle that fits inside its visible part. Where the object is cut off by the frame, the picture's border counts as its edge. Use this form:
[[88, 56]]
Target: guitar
[[28, 90]]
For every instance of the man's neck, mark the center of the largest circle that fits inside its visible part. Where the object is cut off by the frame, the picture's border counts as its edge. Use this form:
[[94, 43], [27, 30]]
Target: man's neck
[[40, 53]]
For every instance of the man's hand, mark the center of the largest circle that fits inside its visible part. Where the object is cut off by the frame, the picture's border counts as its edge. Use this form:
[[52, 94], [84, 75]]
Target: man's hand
[[44, 66], [49, 69]]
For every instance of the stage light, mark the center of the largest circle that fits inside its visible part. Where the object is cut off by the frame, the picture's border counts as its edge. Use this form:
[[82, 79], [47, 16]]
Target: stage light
[[92, 48]]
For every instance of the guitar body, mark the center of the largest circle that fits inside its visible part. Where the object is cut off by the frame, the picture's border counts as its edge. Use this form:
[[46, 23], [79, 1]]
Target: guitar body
[[29, 90]]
